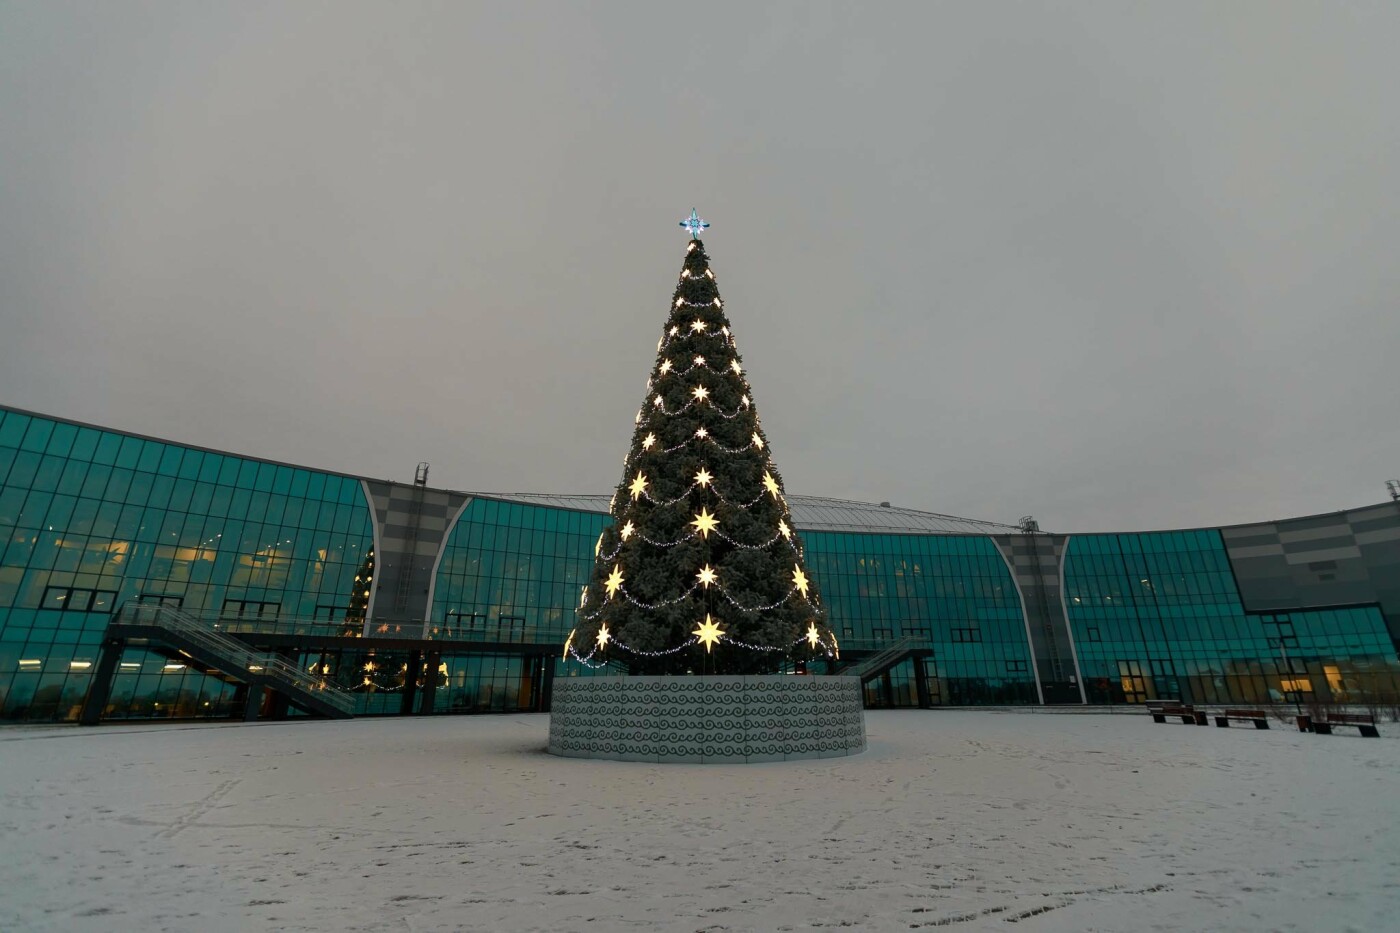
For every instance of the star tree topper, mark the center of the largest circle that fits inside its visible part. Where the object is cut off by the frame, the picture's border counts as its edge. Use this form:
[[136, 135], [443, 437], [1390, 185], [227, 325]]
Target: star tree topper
[[694, 224]]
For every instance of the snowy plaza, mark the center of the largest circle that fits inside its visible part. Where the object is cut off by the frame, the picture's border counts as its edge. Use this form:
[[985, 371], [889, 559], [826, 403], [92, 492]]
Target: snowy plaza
[[967, 819]]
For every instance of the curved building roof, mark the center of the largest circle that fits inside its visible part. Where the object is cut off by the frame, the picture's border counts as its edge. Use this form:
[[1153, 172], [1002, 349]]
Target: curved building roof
[[810, 513]]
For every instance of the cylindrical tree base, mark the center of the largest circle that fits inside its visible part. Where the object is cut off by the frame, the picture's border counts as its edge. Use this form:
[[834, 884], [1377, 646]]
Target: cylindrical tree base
[[733, 719]]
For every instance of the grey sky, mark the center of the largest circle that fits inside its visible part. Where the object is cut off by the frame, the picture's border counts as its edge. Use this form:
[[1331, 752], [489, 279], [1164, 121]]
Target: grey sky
[[1120, 266]]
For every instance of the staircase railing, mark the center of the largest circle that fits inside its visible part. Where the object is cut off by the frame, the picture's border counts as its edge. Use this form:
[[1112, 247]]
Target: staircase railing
[[867, 667], [231, 650]]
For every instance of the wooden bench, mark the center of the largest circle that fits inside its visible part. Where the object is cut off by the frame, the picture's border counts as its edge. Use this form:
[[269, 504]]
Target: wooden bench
[[1366, 724], [1256, 716], [1189, 714]]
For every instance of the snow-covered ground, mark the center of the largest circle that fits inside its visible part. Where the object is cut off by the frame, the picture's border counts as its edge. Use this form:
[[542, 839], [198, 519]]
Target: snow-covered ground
[[966, 819]]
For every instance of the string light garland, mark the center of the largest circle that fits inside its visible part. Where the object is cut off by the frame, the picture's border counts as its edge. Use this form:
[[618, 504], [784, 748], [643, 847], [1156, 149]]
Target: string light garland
[[733, 493]]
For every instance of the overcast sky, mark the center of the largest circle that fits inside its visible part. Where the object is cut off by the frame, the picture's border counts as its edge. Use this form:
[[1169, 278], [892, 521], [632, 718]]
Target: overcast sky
[[1117, 265]]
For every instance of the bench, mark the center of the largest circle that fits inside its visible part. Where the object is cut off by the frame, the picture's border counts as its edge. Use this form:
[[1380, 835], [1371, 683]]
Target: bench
[[1256, 716], [1366, 724], [1188, 714]]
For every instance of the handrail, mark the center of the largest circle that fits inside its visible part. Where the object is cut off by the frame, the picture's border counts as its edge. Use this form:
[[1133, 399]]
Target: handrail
[[274, 669], [873, 663]]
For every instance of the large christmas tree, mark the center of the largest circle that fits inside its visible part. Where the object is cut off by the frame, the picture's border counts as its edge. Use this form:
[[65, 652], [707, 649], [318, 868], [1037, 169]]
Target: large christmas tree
[[701, 570]]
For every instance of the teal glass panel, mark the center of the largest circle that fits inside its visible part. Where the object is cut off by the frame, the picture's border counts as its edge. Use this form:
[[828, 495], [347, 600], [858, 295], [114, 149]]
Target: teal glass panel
[[1158, 616], [121, 518]]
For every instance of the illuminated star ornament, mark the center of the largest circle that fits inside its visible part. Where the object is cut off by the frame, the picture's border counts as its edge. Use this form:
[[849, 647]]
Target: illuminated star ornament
[[604, 636], [703, 477], [708, 633], [706, 576], [770, 484], [813, 636], [569, 642], [799, 579], [614, 581], [626, 531], [638, 486], [694, 224], [705, 523]]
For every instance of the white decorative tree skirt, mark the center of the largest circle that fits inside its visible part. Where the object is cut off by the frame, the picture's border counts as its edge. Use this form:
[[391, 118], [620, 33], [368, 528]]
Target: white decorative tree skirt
[[707, 719]]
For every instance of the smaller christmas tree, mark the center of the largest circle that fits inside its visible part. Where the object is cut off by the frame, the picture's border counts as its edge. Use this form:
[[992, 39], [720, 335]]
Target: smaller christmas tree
[[359, 597], [701, 570]]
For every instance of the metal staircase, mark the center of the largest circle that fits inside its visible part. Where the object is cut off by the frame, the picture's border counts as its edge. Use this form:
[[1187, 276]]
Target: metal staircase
[[869, 668], [168, 629]]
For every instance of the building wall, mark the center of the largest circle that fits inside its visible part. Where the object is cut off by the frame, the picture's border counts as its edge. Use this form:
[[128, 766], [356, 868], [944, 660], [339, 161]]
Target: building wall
[[91, 518], [952, 591], [1159, 615]]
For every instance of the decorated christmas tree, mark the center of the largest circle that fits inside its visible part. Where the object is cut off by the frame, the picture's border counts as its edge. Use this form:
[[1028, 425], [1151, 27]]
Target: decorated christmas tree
[[700, 570]]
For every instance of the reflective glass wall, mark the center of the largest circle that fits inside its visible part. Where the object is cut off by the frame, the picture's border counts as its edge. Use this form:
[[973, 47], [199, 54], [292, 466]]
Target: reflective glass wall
[[953, 592], [512, 572], [1158, 615], [91, 518]]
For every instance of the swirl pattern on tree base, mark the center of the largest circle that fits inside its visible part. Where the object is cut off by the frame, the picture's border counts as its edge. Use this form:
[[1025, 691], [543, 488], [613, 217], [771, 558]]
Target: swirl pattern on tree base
[[723, 718]]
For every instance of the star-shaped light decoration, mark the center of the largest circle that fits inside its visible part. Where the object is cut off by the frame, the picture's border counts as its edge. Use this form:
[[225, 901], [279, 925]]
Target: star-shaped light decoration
[[784, 530], [769, 483], [604, 636], [698, 326], [703, 477], [705, 523], [701, 393], [614, 581], [665, 367], [701, 433], [627, 530], [757, 441], [814, 637], [648, 442], [674, 330], [569, 643], [744, 400], [708, 633], [638, 486], [734, 365], [638, 419], [694, 224], [679, 302], [799, 579], [706, 576], [658, 401], [699, 361]]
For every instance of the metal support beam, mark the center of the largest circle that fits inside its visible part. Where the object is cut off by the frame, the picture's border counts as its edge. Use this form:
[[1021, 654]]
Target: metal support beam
[[546, 691], [410, 682], [252, 705], [921, 682], [430, 683], [100, 688]]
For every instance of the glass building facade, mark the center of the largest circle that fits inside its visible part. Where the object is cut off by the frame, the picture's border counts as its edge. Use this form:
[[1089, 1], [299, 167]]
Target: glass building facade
[[92, 519], [1160, 615], [951, 592]]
